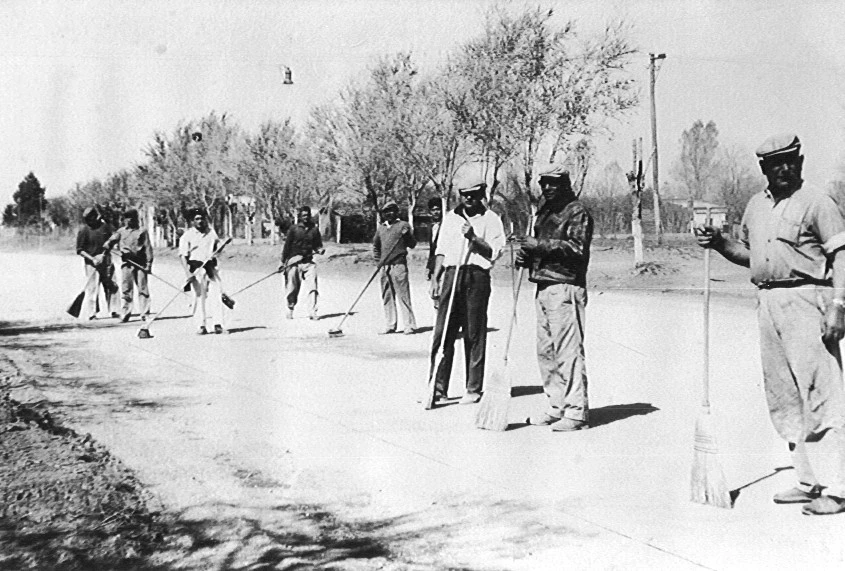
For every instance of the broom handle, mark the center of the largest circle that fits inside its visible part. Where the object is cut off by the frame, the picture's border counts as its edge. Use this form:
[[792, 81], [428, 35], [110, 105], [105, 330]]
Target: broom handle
[[705, 378], [256, 282], [516, 290], [152, 274]]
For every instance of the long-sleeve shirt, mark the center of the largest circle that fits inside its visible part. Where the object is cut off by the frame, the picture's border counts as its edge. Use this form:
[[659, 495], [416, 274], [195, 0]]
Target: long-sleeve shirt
[[391, 243], [564, 230], [302, 241], [133, 244], [452, 245], [92, 240]]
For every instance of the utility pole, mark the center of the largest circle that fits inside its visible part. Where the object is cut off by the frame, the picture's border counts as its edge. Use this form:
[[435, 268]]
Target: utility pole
[[658, 229]]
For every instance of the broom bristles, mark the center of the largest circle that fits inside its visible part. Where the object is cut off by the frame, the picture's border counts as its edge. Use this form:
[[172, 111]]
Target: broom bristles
[[708, 485], [493, 409]]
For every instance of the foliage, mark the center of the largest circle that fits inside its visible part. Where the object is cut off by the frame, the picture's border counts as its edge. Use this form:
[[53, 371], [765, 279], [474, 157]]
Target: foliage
[[696, 167], [736, 181], [29, 204]]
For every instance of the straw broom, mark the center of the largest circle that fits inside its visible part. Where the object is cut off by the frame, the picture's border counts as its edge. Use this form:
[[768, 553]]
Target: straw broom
[[493, 409], [707, 484]]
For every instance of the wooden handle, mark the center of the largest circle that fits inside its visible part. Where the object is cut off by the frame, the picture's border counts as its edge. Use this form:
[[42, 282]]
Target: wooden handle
[[705, 373]]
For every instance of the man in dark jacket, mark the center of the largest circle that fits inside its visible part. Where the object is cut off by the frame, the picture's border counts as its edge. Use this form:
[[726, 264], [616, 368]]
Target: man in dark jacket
[[390, 249], [303, 240], [557, 257], [90, 244]]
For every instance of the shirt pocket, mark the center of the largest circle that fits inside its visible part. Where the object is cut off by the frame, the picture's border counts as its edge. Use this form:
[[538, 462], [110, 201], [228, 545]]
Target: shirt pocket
[[789, 230]]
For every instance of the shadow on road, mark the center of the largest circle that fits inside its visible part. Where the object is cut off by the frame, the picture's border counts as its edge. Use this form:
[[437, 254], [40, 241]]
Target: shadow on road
[[526, 390], [611, 413], [243, 329]]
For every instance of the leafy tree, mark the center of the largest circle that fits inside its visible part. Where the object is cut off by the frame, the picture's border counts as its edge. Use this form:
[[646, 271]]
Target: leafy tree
[[29, 204], [696, 167], [61, 212], [737, 180]]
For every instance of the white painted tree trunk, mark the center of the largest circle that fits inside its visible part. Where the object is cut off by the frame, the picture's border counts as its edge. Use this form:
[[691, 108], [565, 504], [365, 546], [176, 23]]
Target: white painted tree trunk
[[637, 232]]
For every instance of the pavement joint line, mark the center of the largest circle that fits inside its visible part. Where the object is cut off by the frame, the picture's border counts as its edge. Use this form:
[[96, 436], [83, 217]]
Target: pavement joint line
[[415, 452]]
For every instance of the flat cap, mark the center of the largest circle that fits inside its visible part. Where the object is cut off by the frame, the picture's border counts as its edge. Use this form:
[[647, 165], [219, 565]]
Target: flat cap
[[390, 206], [474, 189], [88, 212], [781, 144], [558, 175]]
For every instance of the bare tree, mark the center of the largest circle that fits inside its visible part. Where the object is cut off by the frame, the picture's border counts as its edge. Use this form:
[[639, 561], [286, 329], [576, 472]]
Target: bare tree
[[696, 167]]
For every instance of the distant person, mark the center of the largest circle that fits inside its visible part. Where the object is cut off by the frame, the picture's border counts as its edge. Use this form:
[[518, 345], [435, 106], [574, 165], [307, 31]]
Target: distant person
[[302, 241], [135, 249], [471, 239], [557, 257], [793, 240], [196, 248], [435, 210], [90, 244], [390, 248]]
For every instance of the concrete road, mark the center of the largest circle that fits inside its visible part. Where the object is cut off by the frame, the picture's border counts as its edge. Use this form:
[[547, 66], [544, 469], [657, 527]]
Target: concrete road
[[278, 413]]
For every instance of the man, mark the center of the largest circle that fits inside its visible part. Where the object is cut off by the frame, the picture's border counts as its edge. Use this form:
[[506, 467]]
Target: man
[[90, 244], [435, 210], [196, 248], [793, 241], [471, 239], [390, 248], [135, 249], [557, 258], [302, 241]]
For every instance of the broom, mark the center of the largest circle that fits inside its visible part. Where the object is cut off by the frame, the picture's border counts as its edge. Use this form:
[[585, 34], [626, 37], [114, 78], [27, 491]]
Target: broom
[[707, 484], [493, 409]]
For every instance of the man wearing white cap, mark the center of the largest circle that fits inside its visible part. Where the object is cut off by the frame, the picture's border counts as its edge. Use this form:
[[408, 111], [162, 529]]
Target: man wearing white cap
[[557, 256], [793, 240], [471, 239]]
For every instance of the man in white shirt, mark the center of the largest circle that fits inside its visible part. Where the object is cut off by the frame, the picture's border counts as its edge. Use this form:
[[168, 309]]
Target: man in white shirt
[[196, 248], [470, 240]]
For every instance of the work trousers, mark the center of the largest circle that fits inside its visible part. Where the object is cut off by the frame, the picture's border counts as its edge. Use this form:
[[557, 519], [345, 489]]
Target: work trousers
[[395, 287], [94, 277], [134, 279], [803, 383], [297, 277], [560, 348], [208, 282], [469, 315]]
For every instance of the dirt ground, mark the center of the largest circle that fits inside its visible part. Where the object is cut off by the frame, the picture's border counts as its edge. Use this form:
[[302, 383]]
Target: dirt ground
[[275, 447]]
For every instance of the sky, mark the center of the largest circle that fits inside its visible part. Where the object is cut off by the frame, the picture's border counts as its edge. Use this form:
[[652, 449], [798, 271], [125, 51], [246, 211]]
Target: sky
[[84, 85]]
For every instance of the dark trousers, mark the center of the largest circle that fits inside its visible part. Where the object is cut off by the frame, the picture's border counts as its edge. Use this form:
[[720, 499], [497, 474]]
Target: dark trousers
[[469, 315]]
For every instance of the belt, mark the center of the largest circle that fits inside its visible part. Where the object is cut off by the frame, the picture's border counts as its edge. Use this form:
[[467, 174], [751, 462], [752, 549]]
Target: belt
[[776, 284]]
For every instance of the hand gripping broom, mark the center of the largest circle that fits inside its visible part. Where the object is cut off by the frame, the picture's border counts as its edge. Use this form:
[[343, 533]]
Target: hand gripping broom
[[144, 331], [707, 485]]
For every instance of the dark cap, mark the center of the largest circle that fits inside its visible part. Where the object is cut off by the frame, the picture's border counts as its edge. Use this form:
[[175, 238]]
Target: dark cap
[[131, 213], [478, 188], [781, 144], [558, 175], [194, 212], [86, 214], [390, 206], [435, 202]]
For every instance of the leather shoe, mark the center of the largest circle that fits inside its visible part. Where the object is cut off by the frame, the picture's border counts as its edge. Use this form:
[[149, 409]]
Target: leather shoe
[[569, 425], [824, 505], [470, 398], [544, 419], [202, 330], [218, 329], [796, 496]]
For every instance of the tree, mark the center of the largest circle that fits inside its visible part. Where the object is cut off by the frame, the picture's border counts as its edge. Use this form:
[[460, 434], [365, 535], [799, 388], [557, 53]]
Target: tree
[[29, 204], [530, 84], [61, 212], [738, 179], [696, 167]]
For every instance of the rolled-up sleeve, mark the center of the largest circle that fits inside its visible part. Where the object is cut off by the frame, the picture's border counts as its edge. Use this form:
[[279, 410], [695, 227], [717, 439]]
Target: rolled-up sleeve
[[829, 224], [496, 239]]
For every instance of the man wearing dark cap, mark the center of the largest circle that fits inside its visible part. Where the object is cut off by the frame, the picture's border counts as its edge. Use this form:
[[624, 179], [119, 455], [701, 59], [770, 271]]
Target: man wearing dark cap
[[302, 241], [557, 257], [196, 249], [90, 244], [135, 249], [793, 240], [471, 239], [390, 249]]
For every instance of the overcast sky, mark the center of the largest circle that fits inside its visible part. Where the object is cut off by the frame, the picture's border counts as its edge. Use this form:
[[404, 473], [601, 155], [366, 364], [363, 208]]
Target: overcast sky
[[84, 85]]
